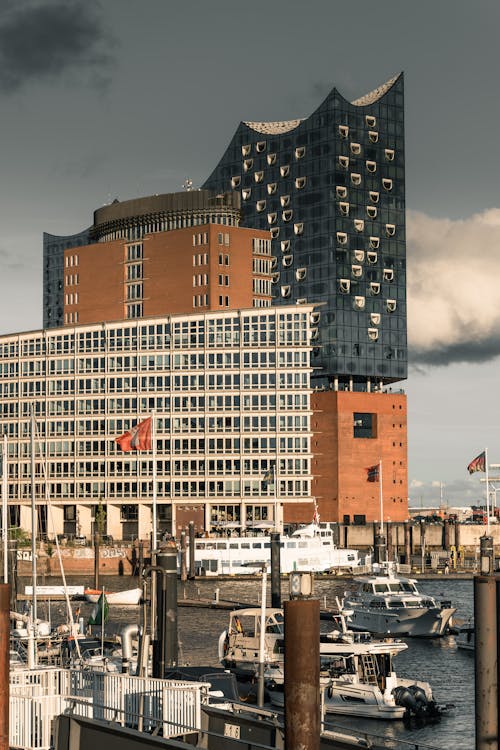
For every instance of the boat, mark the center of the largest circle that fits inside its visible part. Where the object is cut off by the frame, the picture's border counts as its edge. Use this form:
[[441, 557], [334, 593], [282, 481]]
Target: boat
[[121, 598], [357, 676], [310, 548], [389, 604], [239, 644]]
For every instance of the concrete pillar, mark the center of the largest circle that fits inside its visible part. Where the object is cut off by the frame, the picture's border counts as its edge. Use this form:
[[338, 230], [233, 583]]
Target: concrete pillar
[[165, 649], [183, 555], [114, 525], [84, 521], [390, 546], [55, 522], [407, 543], [446, 535], [302, 690], [145, 521], [380, 549]]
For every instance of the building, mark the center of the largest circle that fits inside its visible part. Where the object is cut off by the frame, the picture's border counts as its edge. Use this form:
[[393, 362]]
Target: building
[[331, 189], [231, 391], [166, 254]]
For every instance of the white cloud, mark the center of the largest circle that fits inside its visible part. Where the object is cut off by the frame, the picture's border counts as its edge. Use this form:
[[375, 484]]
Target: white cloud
[[453, 271]]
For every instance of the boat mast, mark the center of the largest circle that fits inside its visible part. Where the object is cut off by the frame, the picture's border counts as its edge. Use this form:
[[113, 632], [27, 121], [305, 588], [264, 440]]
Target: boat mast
[[381, 498], [5, 528], [33, 513]]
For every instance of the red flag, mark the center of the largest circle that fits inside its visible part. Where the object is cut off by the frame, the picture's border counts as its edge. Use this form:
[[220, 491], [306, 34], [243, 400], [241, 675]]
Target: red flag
[[478, 463], [136, 439], [372, 473]]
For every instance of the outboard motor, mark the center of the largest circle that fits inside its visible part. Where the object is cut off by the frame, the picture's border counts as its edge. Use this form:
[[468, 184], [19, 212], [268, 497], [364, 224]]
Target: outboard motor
[[420, 699], [404, 697]]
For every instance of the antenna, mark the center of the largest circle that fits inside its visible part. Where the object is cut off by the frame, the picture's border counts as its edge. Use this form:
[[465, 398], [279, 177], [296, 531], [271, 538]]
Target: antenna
[[187, 185]]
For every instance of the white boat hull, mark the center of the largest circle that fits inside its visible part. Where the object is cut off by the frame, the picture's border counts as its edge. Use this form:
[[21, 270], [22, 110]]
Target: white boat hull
[[120, 598], [417, 622]]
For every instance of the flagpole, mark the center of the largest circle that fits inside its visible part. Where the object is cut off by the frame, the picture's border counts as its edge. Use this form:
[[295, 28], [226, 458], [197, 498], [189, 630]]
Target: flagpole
[[381, 498], [5, 534], [276, 495], [487, 491], [153, 442], [33, 514]]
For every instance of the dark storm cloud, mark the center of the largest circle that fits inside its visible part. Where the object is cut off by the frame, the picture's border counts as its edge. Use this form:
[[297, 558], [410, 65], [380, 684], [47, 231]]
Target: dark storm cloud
[[472, 351], [48, 40]]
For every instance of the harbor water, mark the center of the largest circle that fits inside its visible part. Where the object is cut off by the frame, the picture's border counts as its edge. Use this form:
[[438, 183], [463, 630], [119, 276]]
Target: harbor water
[[449, 670]]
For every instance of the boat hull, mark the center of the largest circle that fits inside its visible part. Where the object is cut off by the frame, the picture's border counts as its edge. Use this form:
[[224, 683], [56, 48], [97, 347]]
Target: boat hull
[[121, 598], [417, 622]]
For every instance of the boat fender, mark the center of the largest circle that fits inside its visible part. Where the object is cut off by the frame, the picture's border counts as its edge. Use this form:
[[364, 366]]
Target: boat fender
[[330, 691]]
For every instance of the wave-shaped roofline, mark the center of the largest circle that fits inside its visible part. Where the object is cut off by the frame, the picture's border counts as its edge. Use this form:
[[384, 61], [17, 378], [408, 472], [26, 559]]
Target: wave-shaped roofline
[[285, 126]]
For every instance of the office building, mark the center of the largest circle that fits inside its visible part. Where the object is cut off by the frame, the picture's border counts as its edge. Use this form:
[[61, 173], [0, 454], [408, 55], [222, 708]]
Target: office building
[[231, 394]]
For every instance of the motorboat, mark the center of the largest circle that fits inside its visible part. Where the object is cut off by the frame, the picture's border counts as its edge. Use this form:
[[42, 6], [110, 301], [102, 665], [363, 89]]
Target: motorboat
[[357, 676], [121, 598], [239, 644], [389, 604], [310, 548]]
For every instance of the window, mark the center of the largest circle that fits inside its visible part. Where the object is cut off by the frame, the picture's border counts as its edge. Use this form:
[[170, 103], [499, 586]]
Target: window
[[235, 181], [371, 166], [389, 154], [285, 170], [245, 150], [258, 176], [341, 191], [343, 131], [365, 425], [370, 120], [373, 136], [271, 159], [300, 152], [355, 178], [355, 148], [344, 162], [260, 146], [387, 184], [300, 182]]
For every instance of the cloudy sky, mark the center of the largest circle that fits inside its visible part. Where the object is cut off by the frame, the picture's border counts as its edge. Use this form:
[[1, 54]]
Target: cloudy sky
[[124, 98]]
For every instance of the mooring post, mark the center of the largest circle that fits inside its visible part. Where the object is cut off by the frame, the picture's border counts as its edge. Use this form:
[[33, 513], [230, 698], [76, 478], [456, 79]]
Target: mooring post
[[166, 560], [275, 571], [302, 690], [380, 549], [4, 664], [191, 551], [183, 556], [97, 539], [486, 662], [407, 543]]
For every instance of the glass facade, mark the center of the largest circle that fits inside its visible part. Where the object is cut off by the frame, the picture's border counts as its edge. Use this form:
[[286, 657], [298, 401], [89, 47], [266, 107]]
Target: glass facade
[[331, 189], [53, 274]]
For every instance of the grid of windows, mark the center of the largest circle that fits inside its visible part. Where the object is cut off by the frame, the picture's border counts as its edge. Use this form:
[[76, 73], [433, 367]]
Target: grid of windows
[[330, 188], [230, 391]]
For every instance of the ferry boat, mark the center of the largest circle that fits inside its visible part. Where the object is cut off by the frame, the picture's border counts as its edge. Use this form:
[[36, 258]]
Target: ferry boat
[[392, 605], [311, 549]]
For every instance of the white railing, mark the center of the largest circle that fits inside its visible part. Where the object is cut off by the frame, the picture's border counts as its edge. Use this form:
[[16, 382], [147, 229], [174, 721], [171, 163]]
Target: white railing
[[38, 696]]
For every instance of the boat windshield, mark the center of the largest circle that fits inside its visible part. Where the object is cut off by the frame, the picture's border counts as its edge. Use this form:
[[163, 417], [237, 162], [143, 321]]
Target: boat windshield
[[405, 586]]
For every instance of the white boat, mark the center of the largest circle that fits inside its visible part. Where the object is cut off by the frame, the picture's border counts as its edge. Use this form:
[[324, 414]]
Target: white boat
[[310, 548], [122, 598], [392, 605], [239, 645], [357, 677]]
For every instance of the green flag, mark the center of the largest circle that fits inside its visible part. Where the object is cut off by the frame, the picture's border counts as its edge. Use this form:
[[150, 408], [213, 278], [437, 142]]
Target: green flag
[[100, 612]]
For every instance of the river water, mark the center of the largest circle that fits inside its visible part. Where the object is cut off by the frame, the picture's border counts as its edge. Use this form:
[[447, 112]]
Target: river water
[[449, 670]]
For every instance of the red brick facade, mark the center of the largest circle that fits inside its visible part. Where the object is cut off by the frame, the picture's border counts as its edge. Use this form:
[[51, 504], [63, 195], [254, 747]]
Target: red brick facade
[[180, 274], [340, 459]]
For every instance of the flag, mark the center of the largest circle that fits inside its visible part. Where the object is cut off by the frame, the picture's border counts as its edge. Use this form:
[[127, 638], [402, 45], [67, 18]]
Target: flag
[[138, 438], [478, 463], [268, 477], [316, 515], [372, 473], [100, 612]]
